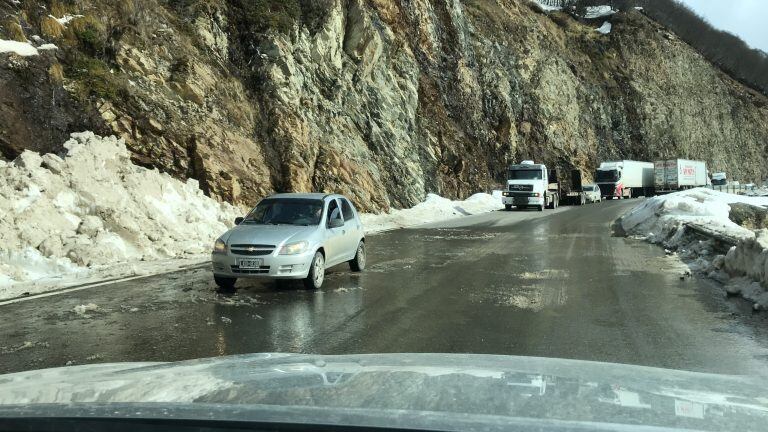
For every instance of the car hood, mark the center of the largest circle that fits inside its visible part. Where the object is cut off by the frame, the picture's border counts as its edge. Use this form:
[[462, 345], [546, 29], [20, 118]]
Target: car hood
[[266, 234], [407, 388]]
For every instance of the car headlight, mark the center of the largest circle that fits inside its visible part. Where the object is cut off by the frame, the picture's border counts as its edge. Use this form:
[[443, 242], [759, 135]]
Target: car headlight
[[219, 246], [294, 248]]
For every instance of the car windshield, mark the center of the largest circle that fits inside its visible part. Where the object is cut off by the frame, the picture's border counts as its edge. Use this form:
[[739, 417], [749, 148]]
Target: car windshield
[[286, 211], [525, 174], [606, 176]]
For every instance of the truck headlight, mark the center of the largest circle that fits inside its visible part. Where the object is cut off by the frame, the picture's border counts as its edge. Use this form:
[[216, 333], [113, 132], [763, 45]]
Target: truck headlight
[[294, 248], [219, 246]]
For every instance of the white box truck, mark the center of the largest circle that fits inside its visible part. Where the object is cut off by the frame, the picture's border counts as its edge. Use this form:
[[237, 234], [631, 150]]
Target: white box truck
[[625, 179], [678, 174]]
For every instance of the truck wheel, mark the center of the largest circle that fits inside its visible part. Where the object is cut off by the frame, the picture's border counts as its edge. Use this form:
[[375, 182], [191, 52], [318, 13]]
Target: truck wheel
[[507, 207], [541, 207]]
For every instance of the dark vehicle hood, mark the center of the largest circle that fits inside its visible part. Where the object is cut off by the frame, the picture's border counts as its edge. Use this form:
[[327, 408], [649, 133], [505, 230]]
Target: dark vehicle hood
[[409, 387]]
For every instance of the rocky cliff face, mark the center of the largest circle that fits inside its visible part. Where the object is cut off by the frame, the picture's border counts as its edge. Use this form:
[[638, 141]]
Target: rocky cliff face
[[382, 100]]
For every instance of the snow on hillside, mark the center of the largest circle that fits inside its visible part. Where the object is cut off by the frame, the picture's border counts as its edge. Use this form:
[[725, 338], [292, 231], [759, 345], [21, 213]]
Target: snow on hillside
[[21, 48], [434, 209], [598, 11], [663, 220], [93, 210], [605, 28]]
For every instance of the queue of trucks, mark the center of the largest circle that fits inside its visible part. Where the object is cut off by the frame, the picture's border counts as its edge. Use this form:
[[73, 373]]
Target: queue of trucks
[[531, 184]]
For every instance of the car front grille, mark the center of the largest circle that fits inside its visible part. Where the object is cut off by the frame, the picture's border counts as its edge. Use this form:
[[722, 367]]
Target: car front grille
[[607, 189], [520, 188], [260, 270], [251, 250]]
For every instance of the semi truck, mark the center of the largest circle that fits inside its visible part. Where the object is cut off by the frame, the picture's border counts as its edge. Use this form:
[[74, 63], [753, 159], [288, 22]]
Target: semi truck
[[719, 179], [531, 185], [679, 174], [625, 179], [534, 185]]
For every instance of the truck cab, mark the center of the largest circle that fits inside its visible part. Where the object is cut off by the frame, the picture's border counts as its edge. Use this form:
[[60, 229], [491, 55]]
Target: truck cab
[[530, 185], [719, 179]]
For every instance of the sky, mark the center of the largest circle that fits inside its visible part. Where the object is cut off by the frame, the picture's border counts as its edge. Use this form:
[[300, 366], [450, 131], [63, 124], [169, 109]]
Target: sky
[[744, 18]]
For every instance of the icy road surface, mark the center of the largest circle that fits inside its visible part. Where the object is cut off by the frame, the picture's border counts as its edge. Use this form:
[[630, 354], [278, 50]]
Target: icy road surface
[[553, 284]]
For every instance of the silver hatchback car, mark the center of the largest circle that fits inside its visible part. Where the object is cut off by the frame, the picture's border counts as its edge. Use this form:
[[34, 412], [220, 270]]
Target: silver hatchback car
[[291, 236]]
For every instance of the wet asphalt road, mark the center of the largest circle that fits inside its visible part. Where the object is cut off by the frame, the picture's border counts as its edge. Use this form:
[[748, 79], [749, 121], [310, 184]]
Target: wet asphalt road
[[552, 284]]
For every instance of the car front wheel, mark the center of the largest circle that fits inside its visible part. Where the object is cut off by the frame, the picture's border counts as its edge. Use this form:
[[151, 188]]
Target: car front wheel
[[314, 279], [225, 283], [357, 264]]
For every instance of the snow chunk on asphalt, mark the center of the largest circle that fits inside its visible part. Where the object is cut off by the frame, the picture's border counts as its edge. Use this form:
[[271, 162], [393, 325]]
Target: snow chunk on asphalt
[[82, 309], [92, 209], [434, 209], [21, 48]]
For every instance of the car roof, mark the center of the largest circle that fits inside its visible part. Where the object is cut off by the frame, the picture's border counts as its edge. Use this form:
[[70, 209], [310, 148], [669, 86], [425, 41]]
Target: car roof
[[316, 195]]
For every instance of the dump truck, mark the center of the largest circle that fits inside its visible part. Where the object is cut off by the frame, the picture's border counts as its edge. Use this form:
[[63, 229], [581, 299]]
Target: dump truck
[[679, 174], [625, 179]]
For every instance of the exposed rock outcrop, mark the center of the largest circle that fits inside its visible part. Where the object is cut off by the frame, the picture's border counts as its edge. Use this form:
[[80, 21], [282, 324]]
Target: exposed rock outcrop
[[382, 100]]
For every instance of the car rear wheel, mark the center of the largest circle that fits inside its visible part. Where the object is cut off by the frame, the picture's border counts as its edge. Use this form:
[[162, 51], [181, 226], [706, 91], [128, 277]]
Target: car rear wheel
[[507, 207], [314, 279], [357, 264], [225, 283]]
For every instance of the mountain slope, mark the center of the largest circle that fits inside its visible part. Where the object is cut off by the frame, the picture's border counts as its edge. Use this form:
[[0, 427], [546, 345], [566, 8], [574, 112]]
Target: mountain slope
[[385, 101]]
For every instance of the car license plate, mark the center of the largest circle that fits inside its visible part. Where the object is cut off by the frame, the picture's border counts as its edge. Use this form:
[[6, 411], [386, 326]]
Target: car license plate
[[252, 263]]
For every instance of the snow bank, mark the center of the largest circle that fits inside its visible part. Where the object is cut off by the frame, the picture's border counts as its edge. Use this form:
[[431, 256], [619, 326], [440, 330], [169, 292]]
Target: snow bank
[[94, 209], [21, 48], [663, 219], [434, 209], [748, 263]]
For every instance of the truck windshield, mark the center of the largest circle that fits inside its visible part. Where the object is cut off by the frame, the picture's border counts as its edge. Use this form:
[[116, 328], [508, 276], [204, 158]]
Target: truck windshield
[[607, 176], [525, 175]]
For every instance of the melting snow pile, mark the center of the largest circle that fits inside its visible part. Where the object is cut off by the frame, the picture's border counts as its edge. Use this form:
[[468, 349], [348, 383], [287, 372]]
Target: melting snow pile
[[605, 28], [663, 220], [598, 11], [435, 208], [93, 209]]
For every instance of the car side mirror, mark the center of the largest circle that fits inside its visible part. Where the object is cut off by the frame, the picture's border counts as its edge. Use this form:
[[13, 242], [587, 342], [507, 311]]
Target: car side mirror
[[336, 223], [238, 220]]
